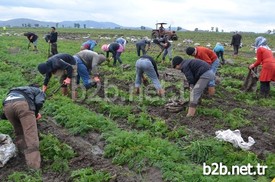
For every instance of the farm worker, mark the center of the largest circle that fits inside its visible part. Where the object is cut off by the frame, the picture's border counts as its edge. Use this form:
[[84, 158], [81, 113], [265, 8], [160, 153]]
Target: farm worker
[[167, 48], [219, 50], [121, 41], [265, 58], [236, 42], [141, 45], [114, 48], [88, 61], [21, 107], [89, 45], [198, 74], [33, 38], [63, 65], [208, 56], [52, 41], [146, 64]]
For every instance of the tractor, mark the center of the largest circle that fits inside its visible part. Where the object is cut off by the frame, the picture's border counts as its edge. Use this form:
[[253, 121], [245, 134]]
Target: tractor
[[160, 32]]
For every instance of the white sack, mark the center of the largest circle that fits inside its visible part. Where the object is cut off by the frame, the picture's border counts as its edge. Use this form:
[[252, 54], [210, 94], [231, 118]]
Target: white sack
[[235, 138], [7, 149]]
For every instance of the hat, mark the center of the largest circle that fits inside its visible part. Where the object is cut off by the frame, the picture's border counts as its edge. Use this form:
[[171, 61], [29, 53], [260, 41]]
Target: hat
[[43, 68], [176, 61], [190, 50], [104, 47]]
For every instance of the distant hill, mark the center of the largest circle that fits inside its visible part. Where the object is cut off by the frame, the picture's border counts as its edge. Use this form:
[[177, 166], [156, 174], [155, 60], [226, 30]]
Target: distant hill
[[23, 22], [20, 22]]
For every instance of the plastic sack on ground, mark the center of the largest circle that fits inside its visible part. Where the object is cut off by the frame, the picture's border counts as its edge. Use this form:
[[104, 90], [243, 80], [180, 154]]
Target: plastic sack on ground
[[7, 149], [235, 138]]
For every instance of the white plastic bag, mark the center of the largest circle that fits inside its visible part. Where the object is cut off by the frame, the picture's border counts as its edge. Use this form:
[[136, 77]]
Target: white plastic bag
[[235, 138], [7, 149]]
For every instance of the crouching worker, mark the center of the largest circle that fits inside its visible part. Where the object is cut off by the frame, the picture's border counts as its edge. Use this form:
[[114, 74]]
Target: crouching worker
[[198, 74], [88, 61], [21, 108], [60, 64], [146, 64]]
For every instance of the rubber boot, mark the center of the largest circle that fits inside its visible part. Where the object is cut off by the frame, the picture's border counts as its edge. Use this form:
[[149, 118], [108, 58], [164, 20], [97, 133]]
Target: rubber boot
[[191, 112], [137, 90], [74, 95], [211, 91], [64, 91], [35, 49]]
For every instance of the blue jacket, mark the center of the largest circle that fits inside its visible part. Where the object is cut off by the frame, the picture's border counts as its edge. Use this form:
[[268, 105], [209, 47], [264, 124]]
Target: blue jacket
[[90, 44], [218, 48]]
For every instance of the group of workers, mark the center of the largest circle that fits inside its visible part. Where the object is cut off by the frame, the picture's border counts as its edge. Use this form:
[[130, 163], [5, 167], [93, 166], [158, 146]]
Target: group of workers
[[22, 104]]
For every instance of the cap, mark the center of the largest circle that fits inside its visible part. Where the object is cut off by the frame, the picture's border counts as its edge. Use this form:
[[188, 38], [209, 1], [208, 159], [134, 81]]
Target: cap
[[43, 68], [190, 50], [176, 61]]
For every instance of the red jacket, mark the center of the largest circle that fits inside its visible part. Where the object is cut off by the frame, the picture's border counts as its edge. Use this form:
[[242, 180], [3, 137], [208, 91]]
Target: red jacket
[[206, 55], [266, 59]]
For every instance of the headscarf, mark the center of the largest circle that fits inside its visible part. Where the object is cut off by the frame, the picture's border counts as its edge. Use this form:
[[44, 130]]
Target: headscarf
[[105, 47], [261, 42]]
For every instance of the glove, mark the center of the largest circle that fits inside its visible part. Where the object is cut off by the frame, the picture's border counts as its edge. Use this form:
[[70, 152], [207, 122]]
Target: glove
[[251, 66], [44, 88], [67, 81], [39, 116]]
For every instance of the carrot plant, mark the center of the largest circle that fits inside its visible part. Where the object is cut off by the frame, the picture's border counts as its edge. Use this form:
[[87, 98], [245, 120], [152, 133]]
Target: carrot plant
[[55, 153], [88, 174], [25, 176]]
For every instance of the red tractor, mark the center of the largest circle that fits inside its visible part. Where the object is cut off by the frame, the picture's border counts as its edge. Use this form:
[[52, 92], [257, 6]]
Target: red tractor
[[160, 32]]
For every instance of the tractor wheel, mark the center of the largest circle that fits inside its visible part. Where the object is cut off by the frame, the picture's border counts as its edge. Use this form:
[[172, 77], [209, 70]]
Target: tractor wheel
[[154, 35], [174, 37]]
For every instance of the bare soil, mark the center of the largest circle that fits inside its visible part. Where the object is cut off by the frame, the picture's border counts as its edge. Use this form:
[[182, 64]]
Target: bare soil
[[89, 148]]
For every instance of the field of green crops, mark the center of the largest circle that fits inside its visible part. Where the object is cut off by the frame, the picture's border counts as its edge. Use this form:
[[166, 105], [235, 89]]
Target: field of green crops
[[116, 135]]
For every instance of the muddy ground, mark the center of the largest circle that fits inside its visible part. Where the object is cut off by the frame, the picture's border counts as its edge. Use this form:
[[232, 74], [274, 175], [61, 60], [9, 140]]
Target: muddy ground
[[89, 148]]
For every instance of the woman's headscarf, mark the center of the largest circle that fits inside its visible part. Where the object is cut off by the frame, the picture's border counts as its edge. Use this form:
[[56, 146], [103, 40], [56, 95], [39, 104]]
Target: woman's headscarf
[[261, 42]]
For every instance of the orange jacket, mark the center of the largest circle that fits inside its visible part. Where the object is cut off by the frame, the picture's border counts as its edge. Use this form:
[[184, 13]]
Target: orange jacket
[[206, 55]]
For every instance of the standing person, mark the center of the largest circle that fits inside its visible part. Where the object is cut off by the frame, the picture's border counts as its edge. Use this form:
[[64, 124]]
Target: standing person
[[33, 38], [63, 64], [219, 50], [265, 58], [21, 108], [53, 41], [236, 42], [167, 48], [88, 61], [89, 45], [141, 45], [208, 56], [146, 64], [198, 74], [114, 48], [121, 41]]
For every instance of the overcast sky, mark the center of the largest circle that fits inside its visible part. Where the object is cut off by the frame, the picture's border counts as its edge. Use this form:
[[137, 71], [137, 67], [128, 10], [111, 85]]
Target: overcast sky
[[228, 15]]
